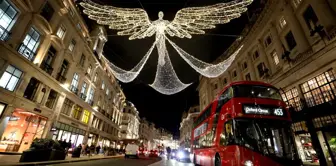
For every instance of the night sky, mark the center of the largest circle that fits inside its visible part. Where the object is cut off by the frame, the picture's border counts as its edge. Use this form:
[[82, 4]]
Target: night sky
[[166, 111]]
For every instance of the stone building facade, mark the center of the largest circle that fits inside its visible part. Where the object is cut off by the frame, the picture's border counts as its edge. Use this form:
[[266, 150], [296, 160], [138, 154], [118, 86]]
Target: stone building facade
[[53, 77], [291, 45], [187, 125], [130, 122]]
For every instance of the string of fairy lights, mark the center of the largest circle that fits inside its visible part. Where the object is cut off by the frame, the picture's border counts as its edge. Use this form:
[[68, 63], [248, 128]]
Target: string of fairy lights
[[134, 22]]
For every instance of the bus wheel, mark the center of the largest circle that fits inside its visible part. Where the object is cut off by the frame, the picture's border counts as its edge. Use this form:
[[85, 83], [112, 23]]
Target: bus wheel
[[218, 161]]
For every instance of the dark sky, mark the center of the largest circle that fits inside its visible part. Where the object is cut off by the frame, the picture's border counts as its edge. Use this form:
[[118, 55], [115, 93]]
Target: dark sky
[[166, 111]]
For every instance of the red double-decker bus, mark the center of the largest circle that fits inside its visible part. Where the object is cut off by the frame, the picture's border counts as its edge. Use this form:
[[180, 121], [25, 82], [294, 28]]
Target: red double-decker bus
[[248, 124]]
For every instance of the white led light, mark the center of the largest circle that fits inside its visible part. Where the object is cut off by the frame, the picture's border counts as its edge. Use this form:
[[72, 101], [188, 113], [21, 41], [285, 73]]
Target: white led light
[[193, 20]]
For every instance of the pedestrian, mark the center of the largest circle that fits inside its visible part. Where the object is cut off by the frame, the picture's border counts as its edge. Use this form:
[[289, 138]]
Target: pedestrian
[[92, 149], [98, 149], [168, 152]]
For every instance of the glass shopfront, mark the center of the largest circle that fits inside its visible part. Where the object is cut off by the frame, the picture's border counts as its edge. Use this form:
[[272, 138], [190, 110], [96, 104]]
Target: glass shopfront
[[22, 128], [64, 132]]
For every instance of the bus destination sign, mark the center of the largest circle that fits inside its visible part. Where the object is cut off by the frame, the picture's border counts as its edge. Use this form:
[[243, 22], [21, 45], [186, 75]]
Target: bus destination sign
[[263, 110]]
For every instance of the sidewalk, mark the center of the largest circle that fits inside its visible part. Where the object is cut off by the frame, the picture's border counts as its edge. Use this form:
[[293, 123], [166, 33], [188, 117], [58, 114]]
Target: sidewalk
[[14, 159]]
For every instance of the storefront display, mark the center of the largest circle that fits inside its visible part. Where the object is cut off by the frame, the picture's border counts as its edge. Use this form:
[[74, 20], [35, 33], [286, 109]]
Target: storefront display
[[305, 148], [22, 128], [64, 132]]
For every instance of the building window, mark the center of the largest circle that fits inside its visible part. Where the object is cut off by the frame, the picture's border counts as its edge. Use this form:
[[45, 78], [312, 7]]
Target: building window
[[320, 89], [7, 18], [82, 61], [31, 89], [63, 71], [77, 112], [234, 74], [72, 12], [244, 66], [89, 70], [83, 91], [292, 99], [86, 116], [310, 18], [225, 81], [103, 85], [290, 40], [47, 11], [10, 78], [61, 31], [107, 92], [248, 77], [48, 60], [268, 41], [255, 55], [30, 43], [51, 99], [72, 45], [215, 86], [74, 83], [261, 69], [282, 22], [79, 27], [67, 107], [296, 3], [275, 57], [91, 95], [95, 77]]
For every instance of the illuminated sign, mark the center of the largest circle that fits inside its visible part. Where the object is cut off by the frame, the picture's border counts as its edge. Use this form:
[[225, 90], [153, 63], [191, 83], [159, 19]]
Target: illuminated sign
[[200, 129], [263, 110]]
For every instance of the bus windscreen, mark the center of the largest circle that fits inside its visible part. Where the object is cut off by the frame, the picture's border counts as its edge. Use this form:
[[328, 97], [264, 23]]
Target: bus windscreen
[[256, 91]]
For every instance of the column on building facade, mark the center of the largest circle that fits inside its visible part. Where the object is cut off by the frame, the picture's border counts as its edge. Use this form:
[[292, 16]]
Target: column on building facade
[[277, 42], [324, 13], [22, 26], [57, 62], [53, 119], [267, 59], [296, 28], [46, 94], [24, 83]]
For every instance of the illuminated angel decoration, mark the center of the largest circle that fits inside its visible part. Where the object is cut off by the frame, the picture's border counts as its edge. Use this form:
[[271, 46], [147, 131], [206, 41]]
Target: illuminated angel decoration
[[134, 22]]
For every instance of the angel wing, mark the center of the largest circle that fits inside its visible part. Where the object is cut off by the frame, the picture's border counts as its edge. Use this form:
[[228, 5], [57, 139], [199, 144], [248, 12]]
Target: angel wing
[[194, 20], [129, 21]]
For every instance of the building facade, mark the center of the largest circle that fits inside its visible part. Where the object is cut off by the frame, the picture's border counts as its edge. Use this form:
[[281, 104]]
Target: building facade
[[53, 77], [292, 46], [130, 122], [187, 125]]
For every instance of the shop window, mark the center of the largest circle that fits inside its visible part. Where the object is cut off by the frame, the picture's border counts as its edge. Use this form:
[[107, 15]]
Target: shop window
[[72, 45], [74, 83], [10, 78], [61, 76], [305, 148], [320, 89], [86, 116], [22, 128], [310, 18], [300, 127], [290, 40], [7, 18], [324, 121], [67, 107], [77, 112], [31, 89], [51, 100], [61, 31], [30, 43], [47, 11], [48, 60], [292, 99], [275, 57]]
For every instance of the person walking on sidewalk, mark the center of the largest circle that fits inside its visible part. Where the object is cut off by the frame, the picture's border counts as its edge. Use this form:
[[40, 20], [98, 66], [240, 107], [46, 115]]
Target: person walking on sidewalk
[[98, 149], [92, 149]]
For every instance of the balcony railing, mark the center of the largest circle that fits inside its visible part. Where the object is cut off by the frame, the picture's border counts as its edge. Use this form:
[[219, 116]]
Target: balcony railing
[[60, 78], [74, 89], [4, 33], [47, 68], [26, 52], [82, 96]]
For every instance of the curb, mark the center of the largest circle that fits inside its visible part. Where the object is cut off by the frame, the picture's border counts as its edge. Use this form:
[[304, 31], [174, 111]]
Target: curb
[[60, 161]]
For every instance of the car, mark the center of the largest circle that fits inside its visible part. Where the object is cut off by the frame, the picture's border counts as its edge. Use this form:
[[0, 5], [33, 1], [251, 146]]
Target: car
[[173, 154], [131, 150], [142, 152], [183, 155], [153, 153]]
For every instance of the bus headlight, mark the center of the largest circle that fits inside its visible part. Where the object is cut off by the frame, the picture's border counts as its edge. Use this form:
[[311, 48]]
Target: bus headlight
[[248, 163]]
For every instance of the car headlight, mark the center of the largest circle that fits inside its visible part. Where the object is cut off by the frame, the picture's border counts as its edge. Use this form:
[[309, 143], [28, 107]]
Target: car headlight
[[180, 155], [173, 154], [248, 163]]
